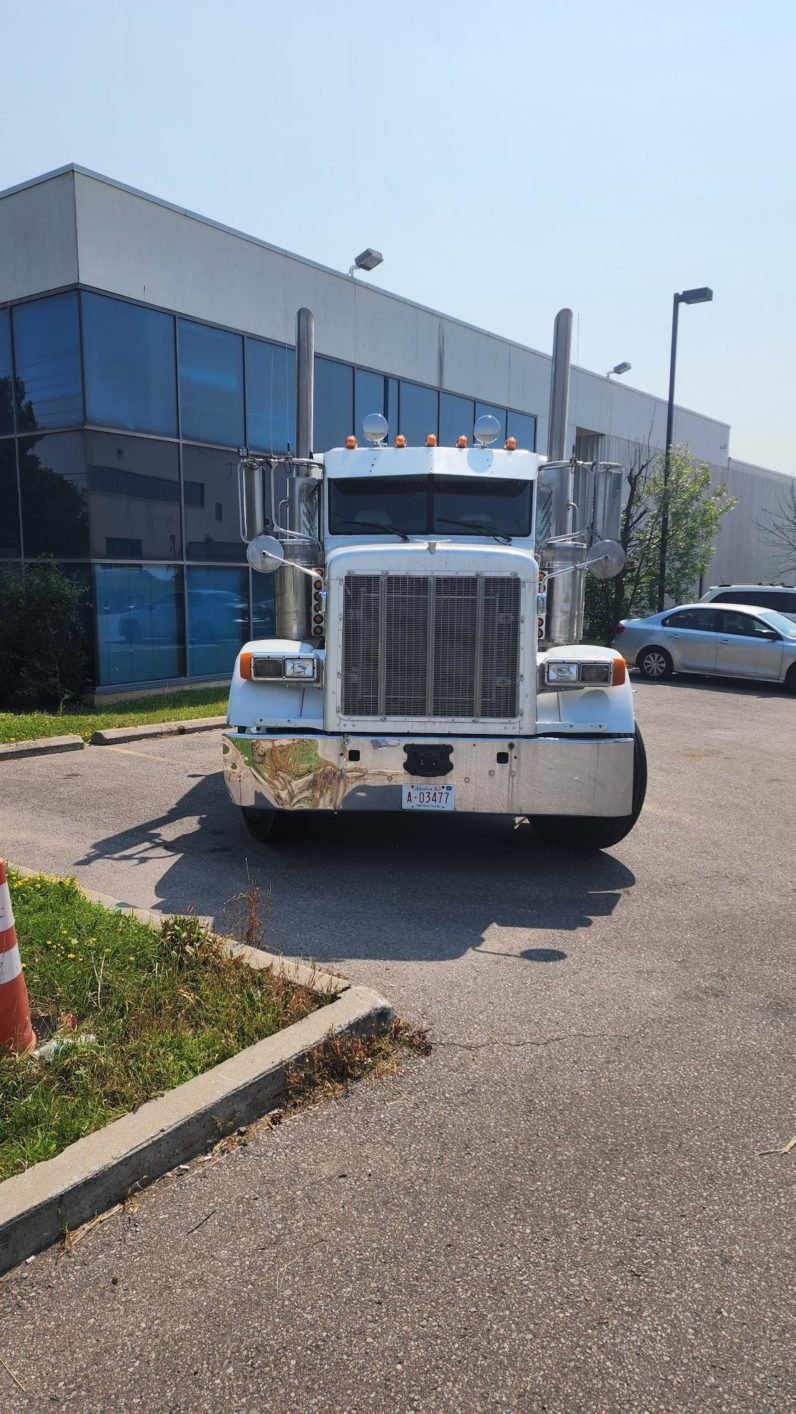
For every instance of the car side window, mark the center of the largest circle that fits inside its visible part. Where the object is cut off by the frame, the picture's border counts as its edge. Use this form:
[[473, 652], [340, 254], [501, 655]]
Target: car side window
[[703, 620], [744, 625]]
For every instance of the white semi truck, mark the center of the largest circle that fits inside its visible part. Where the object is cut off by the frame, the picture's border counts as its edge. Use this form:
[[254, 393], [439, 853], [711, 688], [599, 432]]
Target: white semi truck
[[429, 606]]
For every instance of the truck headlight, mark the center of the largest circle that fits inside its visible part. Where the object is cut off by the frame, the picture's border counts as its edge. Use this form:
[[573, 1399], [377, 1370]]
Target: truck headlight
[[561, 672], [301, 668], [596, 672]]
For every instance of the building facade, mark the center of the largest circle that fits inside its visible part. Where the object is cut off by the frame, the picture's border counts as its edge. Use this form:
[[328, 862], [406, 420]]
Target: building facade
[[141, 345]]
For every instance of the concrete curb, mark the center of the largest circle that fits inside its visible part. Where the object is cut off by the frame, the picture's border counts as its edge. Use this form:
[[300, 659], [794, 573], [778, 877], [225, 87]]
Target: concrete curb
[[290, 969], [112, 736], [37, 1206], [42, 746]]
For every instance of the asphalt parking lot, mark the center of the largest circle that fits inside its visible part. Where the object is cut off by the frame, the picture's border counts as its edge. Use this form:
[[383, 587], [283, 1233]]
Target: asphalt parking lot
[[567, 1206]]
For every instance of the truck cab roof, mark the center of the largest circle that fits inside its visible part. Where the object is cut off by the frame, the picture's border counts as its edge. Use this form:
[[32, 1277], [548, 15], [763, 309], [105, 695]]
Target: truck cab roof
[[497, 462]]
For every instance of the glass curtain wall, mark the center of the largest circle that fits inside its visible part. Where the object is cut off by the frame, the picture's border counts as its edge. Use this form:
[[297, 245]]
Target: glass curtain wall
[[119, 433]]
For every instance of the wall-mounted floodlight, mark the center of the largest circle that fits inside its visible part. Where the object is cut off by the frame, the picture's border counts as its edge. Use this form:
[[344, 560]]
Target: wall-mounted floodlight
[[619, 368], [367, 260]]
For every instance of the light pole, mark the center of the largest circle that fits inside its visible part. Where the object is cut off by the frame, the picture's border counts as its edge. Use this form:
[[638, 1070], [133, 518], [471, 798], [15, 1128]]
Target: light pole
[[701, 296], [619, 368]]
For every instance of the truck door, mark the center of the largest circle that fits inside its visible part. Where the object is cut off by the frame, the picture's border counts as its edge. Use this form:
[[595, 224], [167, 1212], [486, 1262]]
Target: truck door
[[745, 648]]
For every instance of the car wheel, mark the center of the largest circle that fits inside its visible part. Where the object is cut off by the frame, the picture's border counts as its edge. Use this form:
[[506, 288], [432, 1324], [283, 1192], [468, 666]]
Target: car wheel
[[270, 826], [790, 679], [654, 663], [597, 831]]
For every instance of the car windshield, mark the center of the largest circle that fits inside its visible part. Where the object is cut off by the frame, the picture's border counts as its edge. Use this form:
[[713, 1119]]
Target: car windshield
[[423, 505], [780, 622]]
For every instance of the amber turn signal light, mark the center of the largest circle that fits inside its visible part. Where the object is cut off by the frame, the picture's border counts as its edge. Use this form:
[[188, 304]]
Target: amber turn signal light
[[619, 674], [245, 664]]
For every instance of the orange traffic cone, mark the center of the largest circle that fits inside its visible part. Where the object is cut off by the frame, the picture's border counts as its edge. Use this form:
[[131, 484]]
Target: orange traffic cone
[[16, 1032]]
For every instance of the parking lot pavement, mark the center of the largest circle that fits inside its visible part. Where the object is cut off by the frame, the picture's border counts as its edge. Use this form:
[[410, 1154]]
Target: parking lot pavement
[[571, 1204]]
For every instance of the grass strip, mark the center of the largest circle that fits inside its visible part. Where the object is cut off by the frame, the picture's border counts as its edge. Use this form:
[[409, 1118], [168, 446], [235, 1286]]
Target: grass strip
[[186, 704], [163, 1004]]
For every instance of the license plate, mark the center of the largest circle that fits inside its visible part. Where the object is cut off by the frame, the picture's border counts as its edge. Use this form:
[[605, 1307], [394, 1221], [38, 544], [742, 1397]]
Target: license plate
[[428, 797]]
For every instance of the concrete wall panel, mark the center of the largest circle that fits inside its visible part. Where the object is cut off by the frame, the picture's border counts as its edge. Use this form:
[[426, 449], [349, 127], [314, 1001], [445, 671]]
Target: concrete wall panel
[[37, 238], [475, 364]]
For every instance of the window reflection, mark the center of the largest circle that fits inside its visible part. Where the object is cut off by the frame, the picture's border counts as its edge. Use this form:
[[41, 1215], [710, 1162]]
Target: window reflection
[[139, 623], [218, 618], [130, 366], [456, 417], [522, 426], [9, 504], [211, 384], [270, 396], [212, 519], [47, 349], [263, 615], [334, 404], [52, 475], [6, 375], [418, 413], [134, 487]]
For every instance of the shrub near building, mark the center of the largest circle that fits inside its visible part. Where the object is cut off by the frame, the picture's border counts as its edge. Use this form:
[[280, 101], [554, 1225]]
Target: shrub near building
[[42, 637]]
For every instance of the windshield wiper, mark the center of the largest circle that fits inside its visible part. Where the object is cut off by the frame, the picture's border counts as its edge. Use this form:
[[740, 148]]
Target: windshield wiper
[[476, 526], [372, 525]]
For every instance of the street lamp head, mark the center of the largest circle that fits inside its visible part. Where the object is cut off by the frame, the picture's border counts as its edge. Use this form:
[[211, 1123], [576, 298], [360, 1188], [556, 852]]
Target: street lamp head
[[701, 296], [367, 260], [619, 368]]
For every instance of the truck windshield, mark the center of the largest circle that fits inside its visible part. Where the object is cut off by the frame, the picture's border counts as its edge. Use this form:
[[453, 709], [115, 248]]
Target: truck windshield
[[423, 505]]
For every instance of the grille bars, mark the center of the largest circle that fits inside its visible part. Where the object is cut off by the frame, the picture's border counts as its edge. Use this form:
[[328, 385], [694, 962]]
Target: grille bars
[[444, 647]]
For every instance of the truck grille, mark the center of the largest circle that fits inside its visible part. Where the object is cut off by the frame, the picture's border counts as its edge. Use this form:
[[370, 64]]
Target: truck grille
[[421, 646]]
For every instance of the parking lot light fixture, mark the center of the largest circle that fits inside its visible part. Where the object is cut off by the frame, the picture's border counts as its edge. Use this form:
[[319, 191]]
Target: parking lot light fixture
[[702, 295], [367, 260], [618, 369]]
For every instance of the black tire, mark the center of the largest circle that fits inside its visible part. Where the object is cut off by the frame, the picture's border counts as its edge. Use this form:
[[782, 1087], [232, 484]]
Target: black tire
[[597, 831], [654, 663], [270, 826], [790, 679]]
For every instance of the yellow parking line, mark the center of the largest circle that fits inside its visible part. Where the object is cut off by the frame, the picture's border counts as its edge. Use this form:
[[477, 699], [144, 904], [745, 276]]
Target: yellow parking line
[[128, 751]]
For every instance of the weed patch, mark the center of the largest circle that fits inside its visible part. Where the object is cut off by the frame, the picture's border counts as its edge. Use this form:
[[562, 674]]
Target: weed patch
[[162, 1005]]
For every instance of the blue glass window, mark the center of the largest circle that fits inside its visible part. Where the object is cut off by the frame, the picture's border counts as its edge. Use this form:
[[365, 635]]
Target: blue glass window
[[218, 618], [418, 414], [211, 384], [47, 350], [6, 375], [131, 376], [522, 426], [9, 520], [134, 496], [481, 409], [212, 515], [334, 404], [263, 614], [270, 396], [52, 476], [140, 620], [370, 395], [456, 417]]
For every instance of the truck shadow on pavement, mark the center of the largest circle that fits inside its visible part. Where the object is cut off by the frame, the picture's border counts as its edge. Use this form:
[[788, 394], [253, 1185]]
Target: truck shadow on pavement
[[400, 887]]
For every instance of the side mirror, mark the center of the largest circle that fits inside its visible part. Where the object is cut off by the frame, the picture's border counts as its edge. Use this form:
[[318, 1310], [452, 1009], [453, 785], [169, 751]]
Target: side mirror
[[770, 633], [251, 501], [265, 553], [606, 559]]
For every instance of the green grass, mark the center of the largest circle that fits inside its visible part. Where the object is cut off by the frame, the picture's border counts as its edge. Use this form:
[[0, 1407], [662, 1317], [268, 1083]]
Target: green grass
[[170, 707], [164, 1005]]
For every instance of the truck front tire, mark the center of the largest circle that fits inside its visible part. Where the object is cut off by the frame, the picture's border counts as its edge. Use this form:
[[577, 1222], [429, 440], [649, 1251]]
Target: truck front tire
[[594, 831], [269, 825]]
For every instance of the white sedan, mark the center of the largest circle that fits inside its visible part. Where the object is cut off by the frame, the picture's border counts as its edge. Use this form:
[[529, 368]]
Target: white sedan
[[730, 640]]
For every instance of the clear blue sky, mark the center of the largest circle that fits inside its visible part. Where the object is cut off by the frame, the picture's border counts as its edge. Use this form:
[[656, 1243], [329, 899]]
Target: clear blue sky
[[507, 157]]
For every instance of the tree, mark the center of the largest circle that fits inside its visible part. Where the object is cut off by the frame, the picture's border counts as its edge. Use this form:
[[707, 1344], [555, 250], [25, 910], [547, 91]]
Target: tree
[[42, 637], [779, 528], [696, 509]]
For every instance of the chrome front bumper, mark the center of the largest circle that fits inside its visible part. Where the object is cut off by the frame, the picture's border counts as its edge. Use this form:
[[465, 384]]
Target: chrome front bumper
[[544, 775]]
